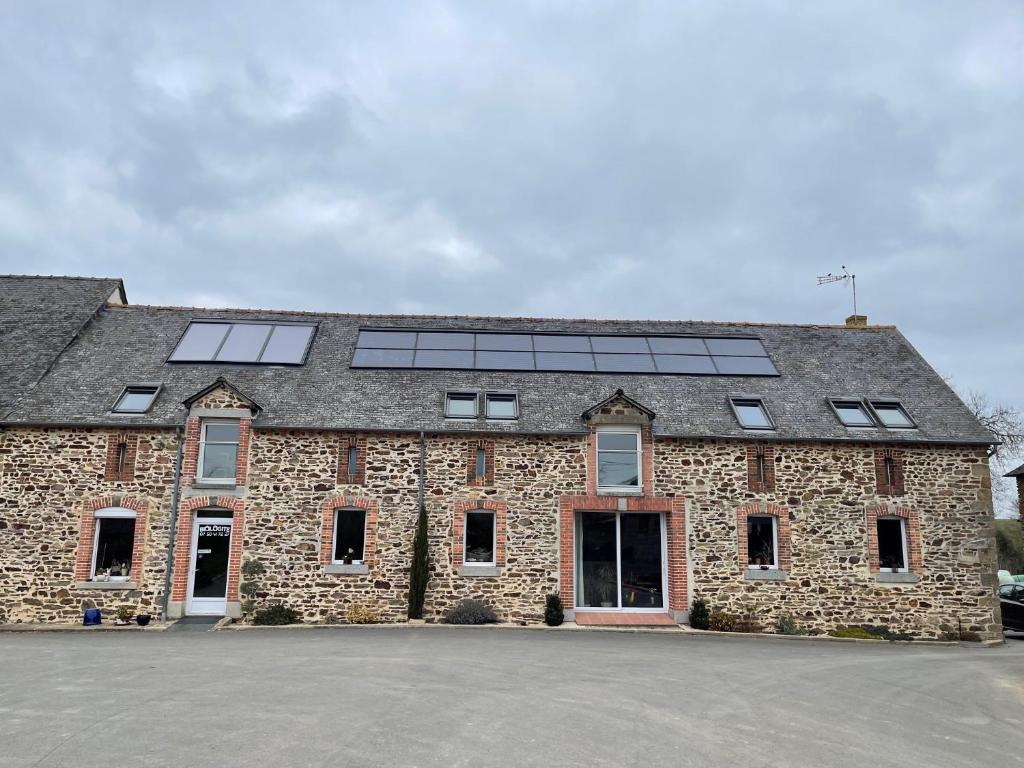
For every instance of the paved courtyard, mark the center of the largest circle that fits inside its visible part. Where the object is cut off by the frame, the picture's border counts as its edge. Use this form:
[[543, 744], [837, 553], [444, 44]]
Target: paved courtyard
[[491, 697]]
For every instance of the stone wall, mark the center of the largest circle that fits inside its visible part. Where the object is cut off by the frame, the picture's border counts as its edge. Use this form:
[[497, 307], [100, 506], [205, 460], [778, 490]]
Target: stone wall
[[48, 476]]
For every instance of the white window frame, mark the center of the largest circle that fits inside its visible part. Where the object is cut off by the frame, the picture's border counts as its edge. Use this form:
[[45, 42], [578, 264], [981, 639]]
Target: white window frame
[[906, 547], [110, 512], [334, 534], [494, 538], [625, 430], [202, 454], [774, 565]]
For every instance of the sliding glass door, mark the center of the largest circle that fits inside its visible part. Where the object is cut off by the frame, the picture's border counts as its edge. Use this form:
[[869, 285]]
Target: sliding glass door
[[620, 561]]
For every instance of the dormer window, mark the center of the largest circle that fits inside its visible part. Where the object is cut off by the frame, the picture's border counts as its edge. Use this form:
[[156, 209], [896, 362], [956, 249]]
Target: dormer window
[[136, 398], [618, 458], [460, 405], [751, 413], [892, 414], [852, 413], [218, 452]]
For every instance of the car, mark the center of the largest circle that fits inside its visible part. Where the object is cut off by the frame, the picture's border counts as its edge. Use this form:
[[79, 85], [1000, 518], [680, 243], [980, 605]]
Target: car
[[1011, 600]]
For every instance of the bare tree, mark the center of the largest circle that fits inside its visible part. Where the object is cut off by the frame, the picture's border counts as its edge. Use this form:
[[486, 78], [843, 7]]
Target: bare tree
[[1007, 426]]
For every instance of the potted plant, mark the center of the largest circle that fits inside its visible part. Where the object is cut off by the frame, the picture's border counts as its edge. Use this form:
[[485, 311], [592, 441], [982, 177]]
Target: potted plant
[[123, 616], [606, 575], [143, 619]]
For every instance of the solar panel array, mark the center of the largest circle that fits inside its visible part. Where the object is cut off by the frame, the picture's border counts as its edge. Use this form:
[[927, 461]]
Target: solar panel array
[[588, 353], [264, 343]]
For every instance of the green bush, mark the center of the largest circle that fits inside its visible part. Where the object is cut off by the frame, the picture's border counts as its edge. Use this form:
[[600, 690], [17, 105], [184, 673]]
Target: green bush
[[721, 622], [699, 613], [471, 612], [554, 614], [419, 571], [1010, 545], [276, 615], [786, 625]]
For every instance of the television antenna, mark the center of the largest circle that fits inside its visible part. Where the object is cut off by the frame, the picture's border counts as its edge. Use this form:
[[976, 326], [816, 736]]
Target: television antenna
[[845, 278]]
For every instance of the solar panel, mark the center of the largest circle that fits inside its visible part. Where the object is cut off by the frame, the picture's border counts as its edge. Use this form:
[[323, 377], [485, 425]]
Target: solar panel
[[231, 342], [597, 353]]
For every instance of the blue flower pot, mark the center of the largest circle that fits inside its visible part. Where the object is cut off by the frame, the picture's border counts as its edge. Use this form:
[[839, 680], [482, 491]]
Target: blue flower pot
[[92, 617]]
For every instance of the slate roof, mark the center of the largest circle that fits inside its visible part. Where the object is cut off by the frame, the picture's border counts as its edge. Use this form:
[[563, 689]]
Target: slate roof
[[130, 344], [1016, 472], [39, 316]]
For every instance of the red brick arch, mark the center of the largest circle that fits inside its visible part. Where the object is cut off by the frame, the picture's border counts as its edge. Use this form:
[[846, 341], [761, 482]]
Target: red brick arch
[[763, 509], [87, 532], [327, 528], [183, 542]]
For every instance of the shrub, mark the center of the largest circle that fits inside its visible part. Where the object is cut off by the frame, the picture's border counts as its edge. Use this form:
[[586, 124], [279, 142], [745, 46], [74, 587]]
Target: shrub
[[554, 614], [857, 633], [786, 625], [124, 613], [419, 571], [699, 613], [358, 613], [471, 612], [251, 570], [719, 621], [276, 615]]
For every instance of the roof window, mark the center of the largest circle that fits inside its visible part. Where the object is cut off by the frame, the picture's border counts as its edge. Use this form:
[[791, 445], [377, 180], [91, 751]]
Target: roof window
[[751, 413], [852, 413], [136, 398], [243, 342], [501, 405], [892, 414], [460, 405]]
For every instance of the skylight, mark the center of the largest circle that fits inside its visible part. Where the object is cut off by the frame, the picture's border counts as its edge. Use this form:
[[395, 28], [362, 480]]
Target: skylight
[[227, 342], [593, 353], [852, 413], [892, 414], [752, 414], [136, 398]]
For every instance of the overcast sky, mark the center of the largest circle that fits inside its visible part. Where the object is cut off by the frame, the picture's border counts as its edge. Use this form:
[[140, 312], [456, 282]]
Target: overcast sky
[[694, 160]]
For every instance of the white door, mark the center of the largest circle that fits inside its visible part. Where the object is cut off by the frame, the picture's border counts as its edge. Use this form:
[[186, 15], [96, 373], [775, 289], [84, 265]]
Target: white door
[[208, 574]]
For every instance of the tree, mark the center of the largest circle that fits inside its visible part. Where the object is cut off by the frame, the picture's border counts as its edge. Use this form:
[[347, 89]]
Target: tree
[[1006, 424], [419, 571]]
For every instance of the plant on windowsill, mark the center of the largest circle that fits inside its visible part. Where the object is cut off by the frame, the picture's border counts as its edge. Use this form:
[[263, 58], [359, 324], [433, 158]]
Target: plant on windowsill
[[123, 616], [347, 560]]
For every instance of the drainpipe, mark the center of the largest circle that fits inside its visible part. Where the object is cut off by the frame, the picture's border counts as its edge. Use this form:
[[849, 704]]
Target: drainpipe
[[423, 454], [175, 498]]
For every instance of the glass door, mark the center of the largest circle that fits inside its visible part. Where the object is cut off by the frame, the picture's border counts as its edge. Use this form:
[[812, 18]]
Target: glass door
[[620, 561], [208, 582]]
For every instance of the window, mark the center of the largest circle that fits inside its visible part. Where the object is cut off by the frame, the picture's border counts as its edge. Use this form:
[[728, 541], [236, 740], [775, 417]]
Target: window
[[227, 342], [113, 545], [481, 463], [762, 542], [618, 459], [892, 544], [852, 413], [467, 349], [353, 461], [892, 415], [218, 451], [122, 457], [502, 406], [752, 414], [480, 542], [349, 535], [460, 405], [136, 398]]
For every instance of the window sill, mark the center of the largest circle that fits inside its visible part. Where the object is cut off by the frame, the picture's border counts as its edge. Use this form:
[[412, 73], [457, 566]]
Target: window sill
[[769, 575], [214, 484], [352, 569], [897, 578], [620, 492], [480, 570], [125, 585]]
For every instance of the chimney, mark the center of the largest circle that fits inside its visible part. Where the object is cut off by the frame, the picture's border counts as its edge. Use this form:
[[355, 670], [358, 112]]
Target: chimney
[[857, 321]]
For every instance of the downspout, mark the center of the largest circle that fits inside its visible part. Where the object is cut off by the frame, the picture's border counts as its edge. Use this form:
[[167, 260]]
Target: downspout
[[175, 498], [423, 455]]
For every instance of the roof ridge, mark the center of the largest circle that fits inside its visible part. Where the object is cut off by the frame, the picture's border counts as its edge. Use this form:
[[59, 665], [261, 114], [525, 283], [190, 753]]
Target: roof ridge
[[412, 316], [61, 277]]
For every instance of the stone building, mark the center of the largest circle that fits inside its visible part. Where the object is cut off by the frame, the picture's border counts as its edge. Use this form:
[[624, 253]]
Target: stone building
[[821, 472]]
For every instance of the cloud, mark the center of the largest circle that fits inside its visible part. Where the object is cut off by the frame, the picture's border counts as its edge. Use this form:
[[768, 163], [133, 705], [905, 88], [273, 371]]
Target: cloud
[[663, 160]]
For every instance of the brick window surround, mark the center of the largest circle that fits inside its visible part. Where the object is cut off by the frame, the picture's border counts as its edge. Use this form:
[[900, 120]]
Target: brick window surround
[[760, 509], [646, 459], [183, 542], [193, 435], [327, 527], [499, 509], [112, 472], [87, 534], [754, 482], [471, 477], [885, 487], [345, 447], [913, 531], [674, 508]]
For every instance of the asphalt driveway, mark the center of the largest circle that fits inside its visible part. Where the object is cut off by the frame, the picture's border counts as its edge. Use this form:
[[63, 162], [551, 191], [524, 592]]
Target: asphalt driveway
[[491, 697]]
